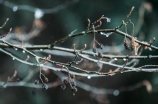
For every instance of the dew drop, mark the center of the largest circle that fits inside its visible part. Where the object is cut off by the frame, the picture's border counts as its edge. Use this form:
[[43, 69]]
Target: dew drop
[[15, 8], [13, 58], [83, 32], [107, 35], [102, 33], [23, 51], [116, 93], [41, 49], [38, 13], [16, 49], [115, 59], [124, 59], [89, 77]]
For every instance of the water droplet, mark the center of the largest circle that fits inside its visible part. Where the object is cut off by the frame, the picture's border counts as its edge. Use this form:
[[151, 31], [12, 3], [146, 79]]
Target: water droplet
[[124, 59], [108, 19], [16, 49], [115, 59], [116, 92], [41, 49], [89, 77], [15, 8], [83, 32], [102, 33], [4, 86], [23, 51], [38, 13], [106, 34], [13, 58]]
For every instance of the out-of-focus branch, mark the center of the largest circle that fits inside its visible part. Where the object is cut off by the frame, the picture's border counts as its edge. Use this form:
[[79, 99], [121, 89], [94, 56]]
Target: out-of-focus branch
[[29, 8], [45, 47]]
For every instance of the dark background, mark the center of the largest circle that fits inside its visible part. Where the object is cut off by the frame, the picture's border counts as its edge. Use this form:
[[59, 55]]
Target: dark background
[[59, 25]]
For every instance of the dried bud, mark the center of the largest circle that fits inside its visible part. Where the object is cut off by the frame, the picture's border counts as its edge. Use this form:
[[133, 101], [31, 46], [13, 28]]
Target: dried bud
[[154, 38], [72, 76], [73, 83], [101, 46], [63, 87], [46, 79], [36, 81], [45, 86], [127, 47], [100, 54], [74, 89], [94, 50], [65, 80]]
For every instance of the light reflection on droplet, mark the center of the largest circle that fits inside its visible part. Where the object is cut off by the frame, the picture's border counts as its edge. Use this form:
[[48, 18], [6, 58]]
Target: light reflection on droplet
[[15, 8], [124, 59], [38, 13], [89, 77], [23, 51], [115, 59], [116, 93]]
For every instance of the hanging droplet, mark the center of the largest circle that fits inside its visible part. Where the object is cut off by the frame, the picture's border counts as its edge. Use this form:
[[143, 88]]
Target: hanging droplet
[[41, 49], [23, 51], [38, 13], [124, 59], [116, 92], [15, 8], [106, 34], [89, 77], [16, 49], [115, 59], [13, 58]]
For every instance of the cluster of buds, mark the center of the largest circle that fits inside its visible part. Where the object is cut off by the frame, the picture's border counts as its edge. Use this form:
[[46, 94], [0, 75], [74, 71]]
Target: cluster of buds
[[98, 21], [100, 45], [46, 59], [69, 80], [11, 79], [44, 86], [151, 42]]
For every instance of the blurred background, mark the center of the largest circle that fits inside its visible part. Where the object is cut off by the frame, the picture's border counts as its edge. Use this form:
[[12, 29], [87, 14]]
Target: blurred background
[[41, 22]]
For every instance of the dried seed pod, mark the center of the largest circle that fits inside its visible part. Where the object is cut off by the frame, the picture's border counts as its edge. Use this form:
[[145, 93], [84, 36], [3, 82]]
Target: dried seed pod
[[72, 76], [135, 46], [63, 87], [46, 79], [65, 80], [101, 46], [74, 89], [36, 81], [94, 50], [73, 83], [45, 86], [100, 54], [126, 45]]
